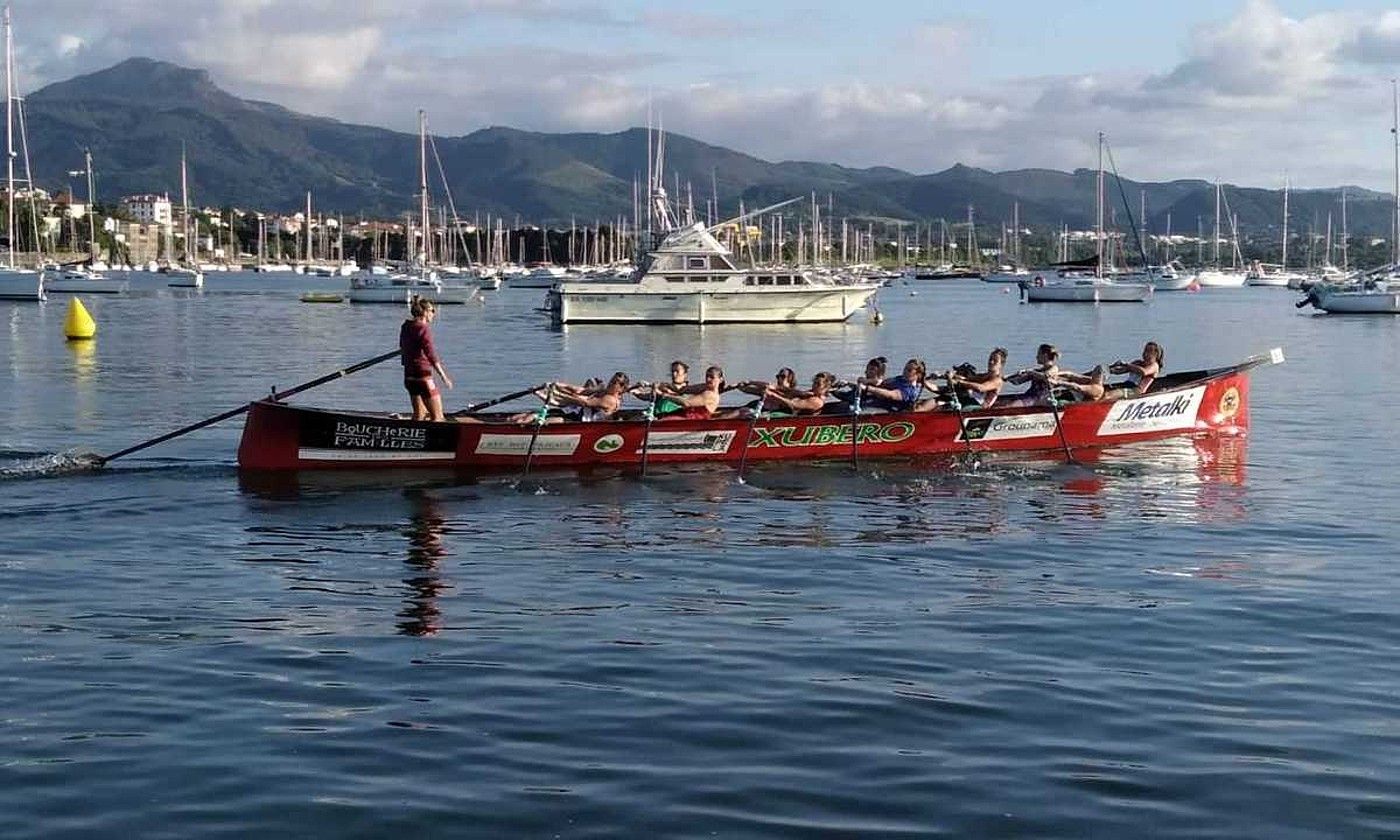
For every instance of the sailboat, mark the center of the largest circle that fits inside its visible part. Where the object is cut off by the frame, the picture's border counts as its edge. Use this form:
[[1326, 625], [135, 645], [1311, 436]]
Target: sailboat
[[1377, 292], [1217, 276], [15, 283], [378, 284], [85, 279], [1101, 286], [188, 275], [1263, 274]]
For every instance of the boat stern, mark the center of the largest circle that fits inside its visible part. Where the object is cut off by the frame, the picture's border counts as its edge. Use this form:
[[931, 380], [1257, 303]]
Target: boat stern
[[271, 438]]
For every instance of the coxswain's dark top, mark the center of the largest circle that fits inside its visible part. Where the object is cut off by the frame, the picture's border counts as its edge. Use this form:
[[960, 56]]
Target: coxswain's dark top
[[416, 346]]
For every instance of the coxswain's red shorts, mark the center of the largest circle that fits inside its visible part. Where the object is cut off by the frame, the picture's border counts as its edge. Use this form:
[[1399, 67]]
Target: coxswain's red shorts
[[424, 388]]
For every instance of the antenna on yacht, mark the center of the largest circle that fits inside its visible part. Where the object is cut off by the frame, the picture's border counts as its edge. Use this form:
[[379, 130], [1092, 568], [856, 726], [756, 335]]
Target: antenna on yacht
[[744, 216]]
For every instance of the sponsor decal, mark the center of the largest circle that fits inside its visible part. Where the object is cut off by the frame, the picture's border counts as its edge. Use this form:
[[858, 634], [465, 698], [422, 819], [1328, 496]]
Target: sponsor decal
[[690, 443], [1009, 428], [1229, 403], [831, 434], [328, 433], [519, 444], [607, 443], [311, 453], [1159, 413]]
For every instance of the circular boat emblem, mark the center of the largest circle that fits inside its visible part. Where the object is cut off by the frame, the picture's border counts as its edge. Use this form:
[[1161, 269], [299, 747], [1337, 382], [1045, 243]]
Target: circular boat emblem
[[607, 443], [1230, 402]]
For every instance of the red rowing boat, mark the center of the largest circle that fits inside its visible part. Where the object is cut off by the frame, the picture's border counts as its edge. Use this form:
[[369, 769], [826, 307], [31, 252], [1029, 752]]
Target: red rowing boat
[[279, 436]]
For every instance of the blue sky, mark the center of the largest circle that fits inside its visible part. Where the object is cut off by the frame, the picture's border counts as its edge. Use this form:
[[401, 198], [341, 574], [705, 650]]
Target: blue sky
[[1244, 90]]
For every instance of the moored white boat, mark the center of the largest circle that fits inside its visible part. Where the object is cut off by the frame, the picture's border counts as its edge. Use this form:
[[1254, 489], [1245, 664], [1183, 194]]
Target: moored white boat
[[1072, 289], [1007, 274], [79, 280], [21, 284], [182, 277], [1172, 277], [690, 278], [1220, 278], [379, 285], [538, 277], [1378, 294]]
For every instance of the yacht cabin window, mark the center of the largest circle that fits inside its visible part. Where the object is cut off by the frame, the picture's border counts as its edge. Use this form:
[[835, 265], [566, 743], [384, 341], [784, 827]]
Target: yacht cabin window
[[697, 262]]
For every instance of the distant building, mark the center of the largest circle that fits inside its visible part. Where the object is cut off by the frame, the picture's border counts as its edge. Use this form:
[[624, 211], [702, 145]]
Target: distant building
[[143, 242], [150, 209]]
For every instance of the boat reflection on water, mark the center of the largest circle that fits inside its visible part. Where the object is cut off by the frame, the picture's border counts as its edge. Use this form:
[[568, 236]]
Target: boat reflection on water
[[421, 615], [800, 505]]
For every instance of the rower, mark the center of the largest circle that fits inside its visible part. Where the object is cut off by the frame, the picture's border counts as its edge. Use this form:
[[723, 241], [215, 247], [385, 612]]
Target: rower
[[1047, 359], [899, 393], [701, 405], [798, 402], [971, 389], [784, 383], [663, 393], [580, 405], [1141, 372], [1086, 386]]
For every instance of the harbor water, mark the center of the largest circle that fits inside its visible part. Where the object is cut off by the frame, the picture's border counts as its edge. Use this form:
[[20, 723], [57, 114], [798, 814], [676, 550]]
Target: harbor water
[[1173, 640]]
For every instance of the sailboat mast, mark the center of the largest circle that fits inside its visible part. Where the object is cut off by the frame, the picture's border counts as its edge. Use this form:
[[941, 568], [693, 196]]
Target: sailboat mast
[[1216, 240], [185, 204], [1345, 266], [1395, 133], [1098, 213], [1284, 258], [427, 252], [9, 139], [308, 228], [92, 230]]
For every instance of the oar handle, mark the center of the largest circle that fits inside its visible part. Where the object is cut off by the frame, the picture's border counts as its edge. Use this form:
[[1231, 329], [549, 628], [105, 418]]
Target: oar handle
[[475, 407]]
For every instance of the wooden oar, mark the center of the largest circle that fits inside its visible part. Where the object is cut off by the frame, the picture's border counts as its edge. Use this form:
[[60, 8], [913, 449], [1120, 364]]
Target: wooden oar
[[539, 424], [748, 435], [957, 406], [475, 407], [275, 397], [1059, 426], [646, 435], [855, 424]]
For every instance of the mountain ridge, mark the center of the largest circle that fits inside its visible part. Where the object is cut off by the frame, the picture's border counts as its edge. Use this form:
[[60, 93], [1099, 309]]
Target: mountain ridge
[[136, 115]]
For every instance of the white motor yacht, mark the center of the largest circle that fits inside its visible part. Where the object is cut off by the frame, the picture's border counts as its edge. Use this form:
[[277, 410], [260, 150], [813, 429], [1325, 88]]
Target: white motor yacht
[[690, 278]]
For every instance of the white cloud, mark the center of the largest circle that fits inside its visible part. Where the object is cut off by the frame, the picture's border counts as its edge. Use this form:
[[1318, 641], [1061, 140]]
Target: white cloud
[[1254, 94]]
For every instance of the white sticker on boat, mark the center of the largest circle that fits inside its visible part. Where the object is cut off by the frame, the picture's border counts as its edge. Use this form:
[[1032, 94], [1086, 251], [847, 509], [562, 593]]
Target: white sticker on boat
[[1014, 427], [690, 443], [1156, 413], [314, 453], [545, 444]]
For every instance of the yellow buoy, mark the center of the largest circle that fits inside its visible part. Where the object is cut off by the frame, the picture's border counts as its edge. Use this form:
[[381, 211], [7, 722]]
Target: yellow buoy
[[79, 324]]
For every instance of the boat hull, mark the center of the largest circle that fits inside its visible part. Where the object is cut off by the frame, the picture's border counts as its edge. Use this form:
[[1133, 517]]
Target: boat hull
[[1357, 302], [1087, 292], [595, 303], [94, 285], [22, 284], [278, 436], [1210, 278]]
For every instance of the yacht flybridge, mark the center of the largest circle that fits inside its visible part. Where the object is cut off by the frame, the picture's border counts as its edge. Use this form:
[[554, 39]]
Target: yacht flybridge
[[690, 278]]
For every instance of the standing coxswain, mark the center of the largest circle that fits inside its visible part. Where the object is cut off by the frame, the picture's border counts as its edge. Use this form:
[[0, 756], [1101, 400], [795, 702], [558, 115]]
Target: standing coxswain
[[420, 361]]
